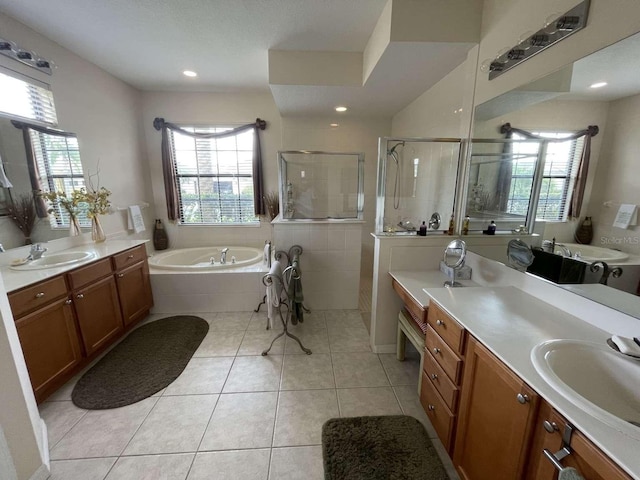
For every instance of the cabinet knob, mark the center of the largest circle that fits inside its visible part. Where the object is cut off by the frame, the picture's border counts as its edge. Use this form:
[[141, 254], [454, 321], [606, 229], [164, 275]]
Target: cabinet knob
[[550, 426], [431, 408], [522, 398], [68, 302], [120, 275], [434, 376], [129, 257], [436, 350], [439, 323], [39, 294], [80, 295]]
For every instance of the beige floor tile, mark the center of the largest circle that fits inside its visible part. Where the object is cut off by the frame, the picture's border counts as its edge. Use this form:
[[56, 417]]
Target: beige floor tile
[[259, 320], [315, 320], [315, 340], [358, 370], [254, 374], [256, 342], [152, 467], [219, 344], [230, 321], [358, 402], [410, 403], [60, 417], [231, 465], [303, 372], [337, 319], [301, 415], [103, 433], [347, 339], [241, 420], [84, 469], [201, 376], [296, 463], [175, 425], [406, 372]]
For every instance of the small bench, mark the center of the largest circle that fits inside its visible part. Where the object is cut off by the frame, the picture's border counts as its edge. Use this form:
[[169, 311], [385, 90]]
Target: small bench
[[408, 330]]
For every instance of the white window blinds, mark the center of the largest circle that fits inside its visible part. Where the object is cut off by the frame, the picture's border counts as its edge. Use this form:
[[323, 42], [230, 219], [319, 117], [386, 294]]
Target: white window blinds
[[26, 100]]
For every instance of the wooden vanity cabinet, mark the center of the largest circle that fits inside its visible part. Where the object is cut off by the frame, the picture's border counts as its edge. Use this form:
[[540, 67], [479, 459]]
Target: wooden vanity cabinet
[[134, 286], [585, 457], [497, 415]]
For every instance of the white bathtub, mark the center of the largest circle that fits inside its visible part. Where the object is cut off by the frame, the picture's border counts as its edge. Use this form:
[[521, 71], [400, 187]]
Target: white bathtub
[[200, 259]]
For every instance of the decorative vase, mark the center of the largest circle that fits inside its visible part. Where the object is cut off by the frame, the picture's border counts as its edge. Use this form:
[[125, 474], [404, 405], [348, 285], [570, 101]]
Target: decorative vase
[[584, 232], [160, 238], [27, 241], [74, 226], [97, 233]]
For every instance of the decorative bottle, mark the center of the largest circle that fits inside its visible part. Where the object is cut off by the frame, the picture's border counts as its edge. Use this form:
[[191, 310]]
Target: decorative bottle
[[423, 230], [491, 230], [160, 238], [452, 225], [465, 225]]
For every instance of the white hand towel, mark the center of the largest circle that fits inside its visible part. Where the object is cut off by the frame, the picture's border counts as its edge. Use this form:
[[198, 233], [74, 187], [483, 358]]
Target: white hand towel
[[267, 253], [4, 181], [273, 291], [135, 221], [626, 345]]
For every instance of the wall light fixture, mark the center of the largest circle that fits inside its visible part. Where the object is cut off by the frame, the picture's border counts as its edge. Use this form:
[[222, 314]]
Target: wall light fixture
[[12, 50]]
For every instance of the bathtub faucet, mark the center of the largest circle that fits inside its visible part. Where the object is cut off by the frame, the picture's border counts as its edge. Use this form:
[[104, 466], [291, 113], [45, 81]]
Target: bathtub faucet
[[223, 255]]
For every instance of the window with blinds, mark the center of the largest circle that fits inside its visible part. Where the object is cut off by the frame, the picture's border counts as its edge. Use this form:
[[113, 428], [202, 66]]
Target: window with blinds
[[26, 100], [60, 170], [214, 177], [559, 174]]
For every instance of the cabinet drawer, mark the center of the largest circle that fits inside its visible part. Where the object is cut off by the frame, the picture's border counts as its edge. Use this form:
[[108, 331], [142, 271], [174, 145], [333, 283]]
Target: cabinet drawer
[[414, 307], [31, 298], [449, 329], [129, 257], [89, 274], [446, 358], [441, 382], [440, 416]]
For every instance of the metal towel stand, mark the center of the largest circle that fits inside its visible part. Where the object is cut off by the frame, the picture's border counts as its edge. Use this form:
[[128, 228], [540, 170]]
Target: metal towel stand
[[291, 272]]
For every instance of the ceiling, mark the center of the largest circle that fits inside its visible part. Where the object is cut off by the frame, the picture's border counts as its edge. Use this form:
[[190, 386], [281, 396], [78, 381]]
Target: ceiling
[[148, 43]]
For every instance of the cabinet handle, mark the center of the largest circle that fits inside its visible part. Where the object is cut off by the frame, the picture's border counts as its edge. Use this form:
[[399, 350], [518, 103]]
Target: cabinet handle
[[130, 257], [522, 398], [550, 427], [80, 295], [40, 295], [436, 351], [440, 323], [434, 376], [120, 275], [431, 408], [68, 302]]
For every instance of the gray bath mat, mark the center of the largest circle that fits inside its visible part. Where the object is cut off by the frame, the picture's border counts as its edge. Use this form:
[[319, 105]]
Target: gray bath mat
[[393, 447], [144, 363]]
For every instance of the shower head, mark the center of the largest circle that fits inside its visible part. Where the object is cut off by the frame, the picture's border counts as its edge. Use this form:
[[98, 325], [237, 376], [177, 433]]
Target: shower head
[[392, 151]]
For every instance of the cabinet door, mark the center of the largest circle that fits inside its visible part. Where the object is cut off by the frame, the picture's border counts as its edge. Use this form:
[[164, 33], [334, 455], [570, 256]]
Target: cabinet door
[[496, 417], [585, 456], [50, 344], [134, 290], [98, 312]]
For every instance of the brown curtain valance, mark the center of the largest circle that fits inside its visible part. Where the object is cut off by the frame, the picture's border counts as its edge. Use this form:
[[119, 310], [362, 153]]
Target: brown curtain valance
[[32, 164], [577, 194], [168, 161]]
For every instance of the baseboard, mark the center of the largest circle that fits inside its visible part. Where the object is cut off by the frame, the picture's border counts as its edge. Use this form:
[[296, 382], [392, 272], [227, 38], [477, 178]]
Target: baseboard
[[41, 474], [45, 443], [385, 348]]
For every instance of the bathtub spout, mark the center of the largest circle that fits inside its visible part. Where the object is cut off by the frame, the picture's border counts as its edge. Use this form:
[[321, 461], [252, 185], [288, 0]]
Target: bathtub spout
[[223, 255]]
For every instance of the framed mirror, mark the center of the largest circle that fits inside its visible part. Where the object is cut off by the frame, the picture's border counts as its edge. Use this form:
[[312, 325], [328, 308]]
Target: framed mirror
[[454, 256]]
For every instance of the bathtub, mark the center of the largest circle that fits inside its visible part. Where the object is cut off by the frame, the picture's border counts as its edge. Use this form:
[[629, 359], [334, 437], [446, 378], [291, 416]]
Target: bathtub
[[200, 259], [185, 281]]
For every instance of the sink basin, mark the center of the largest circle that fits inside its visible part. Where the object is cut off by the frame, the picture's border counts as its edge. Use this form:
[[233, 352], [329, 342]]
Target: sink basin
[[600, 381], [55, 260], [590, 253]]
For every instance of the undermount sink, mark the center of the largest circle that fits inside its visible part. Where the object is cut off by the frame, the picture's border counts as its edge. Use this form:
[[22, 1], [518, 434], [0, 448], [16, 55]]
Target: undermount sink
[[591, 253], [55, 260], [594, 377]]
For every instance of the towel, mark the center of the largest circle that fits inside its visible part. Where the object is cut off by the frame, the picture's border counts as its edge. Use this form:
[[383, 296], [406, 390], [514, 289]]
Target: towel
[[267, 253], [273, 291], [294, 292], [569, 473], [135, 221], [626, 345]]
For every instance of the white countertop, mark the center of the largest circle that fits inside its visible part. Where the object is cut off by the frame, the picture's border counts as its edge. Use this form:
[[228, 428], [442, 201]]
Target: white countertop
[[510, 322], [16, 279], [415, 282]]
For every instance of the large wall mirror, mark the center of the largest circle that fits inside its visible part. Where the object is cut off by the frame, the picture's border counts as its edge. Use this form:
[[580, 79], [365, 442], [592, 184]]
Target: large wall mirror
[[602, 89]]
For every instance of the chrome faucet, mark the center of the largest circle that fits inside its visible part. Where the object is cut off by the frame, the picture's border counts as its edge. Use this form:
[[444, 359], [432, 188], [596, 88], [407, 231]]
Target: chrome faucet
[[565, 251], [36, 252], [1, 248], [223, 255]]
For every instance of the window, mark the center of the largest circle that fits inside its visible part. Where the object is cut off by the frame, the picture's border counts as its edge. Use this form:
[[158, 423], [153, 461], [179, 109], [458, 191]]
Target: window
[[214, 177], [60, 169], [559, 175], [26, 100]]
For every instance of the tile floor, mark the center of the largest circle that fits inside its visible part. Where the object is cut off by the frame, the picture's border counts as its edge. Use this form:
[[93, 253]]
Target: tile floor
[[233, 414]]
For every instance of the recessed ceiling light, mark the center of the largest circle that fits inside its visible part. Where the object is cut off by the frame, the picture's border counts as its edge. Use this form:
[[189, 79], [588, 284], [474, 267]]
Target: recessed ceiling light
[[341, 109], [598, 85], [189, 73], [334, 124]]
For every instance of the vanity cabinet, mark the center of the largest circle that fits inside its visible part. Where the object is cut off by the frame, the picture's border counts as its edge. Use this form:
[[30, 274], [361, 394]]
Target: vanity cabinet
[[585, 457], [65, 321], [497, 415]]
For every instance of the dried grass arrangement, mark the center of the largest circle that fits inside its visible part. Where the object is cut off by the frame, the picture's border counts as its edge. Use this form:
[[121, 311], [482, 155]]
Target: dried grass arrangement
[[272, 204], [22, 213]]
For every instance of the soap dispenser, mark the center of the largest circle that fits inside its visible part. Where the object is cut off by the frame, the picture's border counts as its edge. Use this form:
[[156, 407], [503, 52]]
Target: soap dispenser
[[423, 230], [465, 225], [491, 230]]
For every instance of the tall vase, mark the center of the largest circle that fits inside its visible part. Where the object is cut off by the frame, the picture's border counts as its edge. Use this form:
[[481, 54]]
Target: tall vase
[[74, 226], [97, 233], [584, 232]]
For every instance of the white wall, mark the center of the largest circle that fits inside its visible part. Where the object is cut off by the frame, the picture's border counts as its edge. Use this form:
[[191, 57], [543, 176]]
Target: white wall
[[210, 109]]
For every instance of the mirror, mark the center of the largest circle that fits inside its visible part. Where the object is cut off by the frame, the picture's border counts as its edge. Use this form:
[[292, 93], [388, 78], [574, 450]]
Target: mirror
[[454, 256], [569, 100]]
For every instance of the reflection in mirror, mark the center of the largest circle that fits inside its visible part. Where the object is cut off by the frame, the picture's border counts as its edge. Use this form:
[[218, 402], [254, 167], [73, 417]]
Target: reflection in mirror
[[563, 103], [519, 254]]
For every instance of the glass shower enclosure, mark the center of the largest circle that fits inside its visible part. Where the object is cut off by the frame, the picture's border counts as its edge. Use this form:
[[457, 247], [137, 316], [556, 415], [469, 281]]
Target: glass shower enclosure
[[321, 185]]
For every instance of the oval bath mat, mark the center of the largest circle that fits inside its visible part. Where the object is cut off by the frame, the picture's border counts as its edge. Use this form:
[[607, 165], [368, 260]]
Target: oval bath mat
[[146, 361]]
